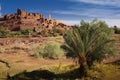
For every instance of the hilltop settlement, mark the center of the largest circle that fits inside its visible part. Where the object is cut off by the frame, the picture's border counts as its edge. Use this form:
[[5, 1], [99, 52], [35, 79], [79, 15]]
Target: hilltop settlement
[[25, 20]]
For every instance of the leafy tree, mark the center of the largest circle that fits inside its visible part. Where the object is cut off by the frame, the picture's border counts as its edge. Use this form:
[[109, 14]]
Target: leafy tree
[[89, 42]]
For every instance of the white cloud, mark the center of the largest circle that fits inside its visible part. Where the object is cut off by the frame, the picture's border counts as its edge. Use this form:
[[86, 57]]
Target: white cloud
[[92, 12], [72, 12], [109, 14], [71, 22], [110, 22], [100, 2]]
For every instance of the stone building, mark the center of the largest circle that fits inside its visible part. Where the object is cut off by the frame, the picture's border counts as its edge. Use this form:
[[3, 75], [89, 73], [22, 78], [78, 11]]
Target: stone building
[[25, 20]]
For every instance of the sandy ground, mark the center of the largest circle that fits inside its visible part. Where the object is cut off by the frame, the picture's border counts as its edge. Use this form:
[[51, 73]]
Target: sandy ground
[[16, 52], [19, 63]]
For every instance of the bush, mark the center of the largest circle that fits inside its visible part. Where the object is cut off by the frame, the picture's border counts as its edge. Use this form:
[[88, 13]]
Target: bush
[[116, 30], [26, 32], [15, 34], [49, 50], [4, 32]]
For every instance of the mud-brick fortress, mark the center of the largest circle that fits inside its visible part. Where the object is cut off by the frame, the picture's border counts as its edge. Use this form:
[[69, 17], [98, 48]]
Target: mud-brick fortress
[[25, 20]]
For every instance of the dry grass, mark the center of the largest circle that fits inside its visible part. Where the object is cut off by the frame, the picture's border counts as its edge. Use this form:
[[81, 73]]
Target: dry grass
[[22, 62], [17, 54], [105, 72]]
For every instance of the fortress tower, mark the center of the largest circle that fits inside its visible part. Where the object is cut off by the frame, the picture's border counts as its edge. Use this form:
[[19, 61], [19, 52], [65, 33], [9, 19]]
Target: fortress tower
[[49, 17]]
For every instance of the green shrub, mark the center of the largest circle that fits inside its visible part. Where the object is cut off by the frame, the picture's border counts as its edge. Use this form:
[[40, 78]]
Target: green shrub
[[39, 51], [4, 32], [49, 50], [15, 34], [26, 32], [116, 30]]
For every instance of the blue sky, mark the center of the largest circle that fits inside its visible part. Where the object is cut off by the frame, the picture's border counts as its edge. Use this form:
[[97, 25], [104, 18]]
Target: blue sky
[[69, 11]]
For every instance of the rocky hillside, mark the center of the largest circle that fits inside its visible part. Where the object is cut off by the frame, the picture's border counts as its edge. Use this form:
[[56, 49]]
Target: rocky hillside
[[25, 20]]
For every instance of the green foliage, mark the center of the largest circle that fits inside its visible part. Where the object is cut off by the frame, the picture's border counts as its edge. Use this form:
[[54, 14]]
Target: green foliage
[[49, 50], [116, 29], [26, 32], [22, 33], [14, 34], [4, 32], [89, 42]]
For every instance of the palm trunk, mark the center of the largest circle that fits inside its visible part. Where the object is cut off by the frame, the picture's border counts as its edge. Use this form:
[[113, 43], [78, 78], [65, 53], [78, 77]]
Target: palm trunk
[[83, 67]]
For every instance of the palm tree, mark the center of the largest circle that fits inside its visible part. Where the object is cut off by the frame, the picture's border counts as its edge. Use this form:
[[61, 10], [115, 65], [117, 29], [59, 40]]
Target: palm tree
[[89, 42]]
